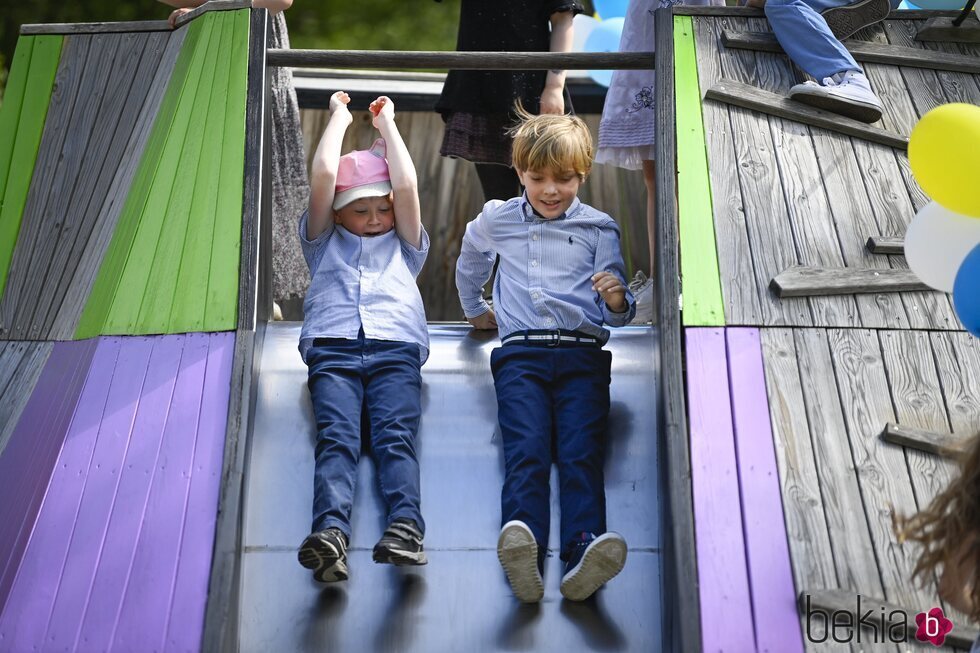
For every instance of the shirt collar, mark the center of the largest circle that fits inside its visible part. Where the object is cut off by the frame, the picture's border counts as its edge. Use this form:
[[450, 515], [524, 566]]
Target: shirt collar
[[528, 212]]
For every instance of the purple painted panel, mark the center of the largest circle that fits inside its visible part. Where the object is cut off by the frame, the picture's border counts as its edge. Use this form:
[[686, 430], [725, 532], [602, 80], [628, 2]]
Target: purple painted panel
[[105, 597], [142, 621], [186, 626], [99, 490], [726, 610], [30, 455], [770, 573]]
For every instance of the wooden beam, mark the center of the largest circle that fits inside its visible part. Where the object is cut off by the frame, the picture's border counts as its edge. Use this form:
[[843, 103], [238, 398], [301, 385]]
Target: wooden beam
[[136, 25], [948, 445], [460, 60], [812, 282], [682, 616], [213, 5], [886, 245], [942, 29], [829, 601], [894, 55], [757, 99]]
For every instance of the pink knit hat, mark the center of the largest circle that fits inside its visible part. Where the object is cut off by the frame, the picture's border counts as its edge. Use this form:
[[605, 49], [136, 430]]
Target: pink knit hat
[[362, 173]]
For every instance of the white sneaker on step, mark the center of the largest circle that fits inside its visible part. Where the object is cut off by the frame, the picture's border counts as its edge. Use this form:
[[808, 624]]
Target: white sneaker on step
[[847, 93]]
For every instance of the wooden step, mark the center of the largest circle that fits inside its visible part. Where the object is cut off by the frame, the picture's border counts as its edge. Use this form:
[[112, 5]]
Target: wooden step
[[812, 282], [886, 245], [948, 445]]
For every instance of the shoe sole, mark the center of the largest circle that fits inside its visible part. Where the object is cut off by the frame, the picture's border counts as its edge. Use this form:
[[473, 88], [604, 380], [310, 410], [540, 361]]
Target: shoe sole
[[860, 111], [399, 557], [323, 559], [605, 558], [847, 20], [518, 554]]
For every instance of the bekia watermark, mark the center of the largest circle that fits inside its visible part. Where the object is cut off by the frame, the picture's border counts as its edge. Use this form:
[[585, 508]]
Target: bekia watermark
[[876, 625]]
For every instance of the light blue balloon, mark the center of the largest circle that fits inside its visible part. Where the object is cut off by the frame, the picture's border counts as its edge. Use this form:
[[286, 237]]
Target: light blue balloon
[[604, 38], [966, 292], [937, 4], [610, 8]]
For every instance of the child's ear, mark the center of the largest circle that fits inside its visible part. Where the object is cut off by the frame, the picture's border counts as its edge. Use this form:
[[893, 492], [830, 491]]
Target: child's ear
[[336, 218]]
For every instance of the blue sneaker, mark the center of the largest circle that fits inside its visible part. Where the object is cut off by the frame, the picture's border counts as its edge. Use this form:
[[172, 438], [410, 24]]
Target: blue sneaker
[[517, 551], [593, 562]]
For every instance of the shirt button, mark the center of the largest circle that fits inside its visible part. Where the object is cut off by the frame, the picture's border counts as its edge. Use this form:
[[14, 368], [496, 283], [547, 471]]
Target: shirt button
[[534, 295], [361, 268], [534, 263], [534, 237]]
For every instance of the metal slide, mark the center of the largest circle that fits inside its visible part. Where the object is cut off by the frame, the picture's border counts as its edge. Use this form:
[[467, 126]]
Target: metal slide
[[460, 601]]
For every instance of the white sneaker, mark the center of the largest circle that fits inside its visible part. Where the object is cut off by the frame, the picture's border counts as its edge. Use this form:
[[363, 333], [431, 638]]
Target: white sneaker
[[847, 93], [517, 551]]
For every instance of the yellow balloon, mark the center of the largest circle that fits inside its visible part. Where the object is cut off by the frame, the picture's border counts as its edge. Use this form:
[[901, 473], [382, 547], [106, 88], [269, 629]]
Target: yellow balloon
[[944, 151]]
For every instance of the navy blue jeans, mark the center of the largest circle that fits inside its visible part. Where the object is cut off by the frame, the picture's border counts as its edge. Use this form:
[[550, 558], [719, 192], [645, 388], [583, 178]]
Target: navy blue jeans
[[384, 378], [553, 400]]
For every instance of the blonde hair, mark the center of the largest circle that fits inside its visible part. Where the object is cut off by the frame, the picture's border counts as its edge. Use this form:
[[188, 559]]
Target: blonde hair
[[950, 527], [552, 142]]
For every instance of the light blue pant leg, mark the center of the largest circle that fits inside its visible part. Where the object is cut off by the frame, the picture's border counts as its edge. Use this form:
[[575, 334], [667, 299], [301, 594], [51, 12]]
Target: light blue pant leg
[[807, 39]]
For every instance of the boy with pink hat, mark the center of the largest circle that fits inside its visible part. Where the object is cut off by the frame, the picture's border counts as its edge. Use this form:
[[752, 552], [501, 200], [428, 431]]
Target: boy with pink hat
[[364, 336]]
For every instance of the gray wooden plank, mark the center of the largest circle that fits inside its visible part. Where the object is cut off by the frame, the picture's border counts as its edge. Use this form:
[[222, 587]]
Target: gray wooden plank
[[765, 213], [62, 217], [882, 471], [957, 357], [298, 58], [941, 28], [96, 28], [756, 99], [957, 86], [132, 71], [833, 600], [948, 445], [110, 205], [70, 68], [739, 289], [815, 237], [16, 390], [212, 5], [893, 193], [886, 245], [807, 281], [683, 616], [814, 516], [894, 55]]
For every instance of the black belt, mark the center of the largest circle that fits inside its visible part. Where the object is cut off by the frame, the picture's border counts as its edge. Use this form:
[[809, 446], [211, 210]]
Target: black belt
[[550, 338]]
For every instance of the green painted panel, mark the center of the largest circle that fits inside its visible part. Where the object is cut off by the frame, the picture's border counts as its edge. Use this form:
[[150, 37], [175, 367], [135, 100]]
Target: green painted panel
[[187, 313], [97, 309], [700, 280], [222, 299], [22, 116]]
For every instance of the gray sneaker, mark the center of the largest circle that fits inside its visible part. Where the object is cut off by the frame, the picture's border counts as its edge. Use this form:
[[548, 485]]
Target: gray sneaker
[[848, 94], [850, 18], [517, 551]]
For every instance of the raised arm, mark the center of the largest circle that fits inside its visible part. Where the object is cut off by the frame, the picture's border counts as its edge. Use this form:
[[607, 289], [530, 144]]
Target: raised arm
[[552, 98], [404, 183], [323, 176]]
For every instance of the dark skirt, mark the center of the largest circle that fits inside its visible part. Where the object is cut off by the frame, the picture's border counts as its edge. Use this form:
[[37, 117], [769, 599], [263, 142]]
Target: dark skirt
[[478, 137]]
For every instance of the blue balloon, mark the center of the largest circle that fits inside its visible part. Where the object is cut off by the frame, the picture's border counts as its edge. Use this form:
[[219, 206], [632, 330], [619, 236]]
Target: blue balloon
[[610, 8], [966, 292], [936, 4], [604, 38]]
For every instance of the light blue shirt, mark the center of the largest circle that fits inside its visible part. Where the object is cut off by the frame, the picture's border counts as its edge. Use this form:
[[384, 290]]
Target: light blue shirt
[[544, 280], [364, 283]]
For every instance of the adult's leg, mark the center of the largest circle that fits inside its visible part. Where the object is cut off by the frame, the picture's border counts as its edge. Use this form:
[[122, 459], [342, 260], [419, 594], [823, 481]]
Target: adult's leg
[[393, 400], [581, 396], [522, 378], [499, 182], [806, 37], [337, 391]]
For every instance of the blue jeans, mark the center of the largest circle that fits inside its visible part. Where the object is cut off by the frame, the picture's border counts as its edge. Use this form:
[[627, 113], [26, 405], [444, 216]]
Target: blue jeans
[[553, 400], [385, 379], [807, 39]]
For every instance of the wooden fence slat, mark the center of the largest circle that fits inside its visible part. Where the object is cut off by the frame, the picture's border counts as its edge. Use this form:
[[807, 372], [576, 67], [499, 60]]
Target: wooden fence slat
[[806, 281], [941, 444], [756, 99], [893, 55]]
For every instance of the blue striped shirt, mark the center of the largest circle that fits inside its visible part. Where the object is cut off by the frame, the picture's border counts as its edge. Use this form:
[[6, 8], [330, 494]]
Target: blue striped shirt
[[544, 280], [364, 283]]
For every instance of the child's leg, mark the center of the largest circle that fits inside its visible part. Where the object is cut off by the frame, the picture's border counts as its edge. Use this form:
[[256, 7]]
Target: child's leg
[[522, 378], [806, 37], [337, 391], [393, 401], [581, 414]]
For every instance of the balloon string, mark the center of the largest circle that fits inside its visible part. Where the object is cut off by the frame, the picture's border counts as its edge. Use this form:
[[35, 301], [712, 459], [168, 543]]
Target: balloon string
[[966, 12]]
